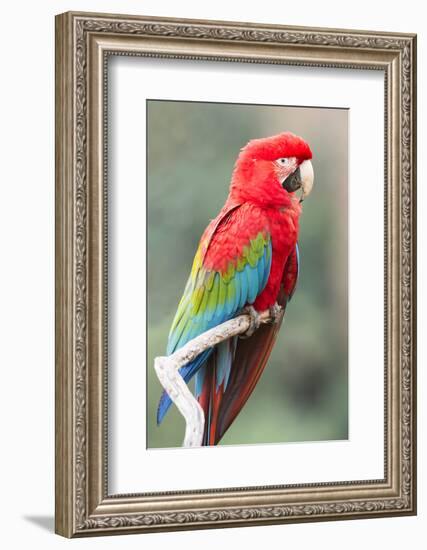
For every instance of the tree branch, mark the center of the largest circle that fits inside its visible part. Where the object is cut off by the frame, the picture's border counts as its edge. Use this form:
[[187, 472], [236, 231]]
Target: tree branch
[[167, 372]]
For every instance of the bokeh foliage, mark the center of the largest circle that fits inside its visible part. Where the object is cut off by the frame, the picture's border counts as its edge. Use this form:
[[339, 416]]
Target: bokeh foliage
[[303, 392]]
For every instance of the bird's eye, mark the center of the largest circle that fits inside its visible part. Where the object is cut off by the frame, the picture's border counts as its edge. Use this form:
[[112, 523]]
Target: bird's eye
[[283, 161]]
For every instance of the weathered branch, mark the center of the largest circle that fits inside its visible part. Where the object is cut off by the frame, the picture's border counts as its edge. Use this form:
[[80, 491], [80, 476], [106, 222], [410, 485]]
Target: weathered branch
[[167, 371]]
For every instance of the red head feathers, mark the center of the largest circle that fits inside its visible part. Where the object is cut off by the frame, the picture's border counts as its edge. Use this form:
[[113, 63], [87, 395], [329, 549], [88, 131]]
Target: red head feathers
[[256, 177], [281, 146]]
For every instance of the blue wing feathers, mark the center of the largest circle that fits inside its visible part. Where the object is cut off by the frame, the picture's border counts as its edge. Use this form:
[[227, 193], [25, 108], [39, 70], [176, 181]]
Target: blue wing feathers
[[243, 283], [252, 273], [261, 272], [210, 300], [267, 259]]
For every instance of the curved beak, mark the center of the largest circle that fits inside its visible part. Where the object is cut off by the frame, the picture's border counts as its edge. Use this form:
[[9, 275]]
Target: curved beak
[[307, 178], [302, 178]]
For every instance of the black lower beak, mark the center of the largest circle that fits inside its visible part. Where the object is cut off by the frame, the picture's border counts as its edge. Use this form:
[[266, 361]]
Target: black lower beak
[[293, 181]]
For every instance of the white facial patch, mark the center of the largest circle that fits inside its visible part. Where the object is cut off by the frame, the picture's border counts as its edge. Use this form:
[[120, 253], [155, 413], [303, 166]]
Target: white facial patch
[[285, 167]]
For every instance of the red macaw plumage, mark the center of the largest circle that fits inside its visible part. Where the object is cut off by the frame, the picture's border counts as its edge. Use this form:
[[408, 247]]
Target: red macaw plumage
[[248, 255]]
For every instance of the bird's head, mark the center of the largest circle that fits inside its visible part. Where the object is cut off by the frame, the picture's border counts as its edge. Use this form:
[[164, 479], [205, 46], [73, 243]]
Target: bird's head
[[269, 171]]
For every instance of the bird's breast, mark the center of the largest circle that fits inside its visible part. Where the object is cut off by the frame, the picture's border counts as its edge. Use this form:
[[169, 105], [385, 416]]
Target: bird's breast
[[284, 235], [283, 230]]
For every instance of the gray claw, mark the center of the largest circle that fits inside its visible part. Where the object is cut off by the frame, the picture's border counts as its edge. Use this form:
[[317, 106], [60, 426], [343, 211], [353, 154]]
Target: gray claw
[[255, 321], [276, 313]]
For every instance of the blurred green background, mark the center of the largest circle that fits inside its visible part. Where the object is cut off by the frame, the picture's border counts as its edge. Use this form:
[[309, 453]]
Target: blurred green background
[[303, 392]]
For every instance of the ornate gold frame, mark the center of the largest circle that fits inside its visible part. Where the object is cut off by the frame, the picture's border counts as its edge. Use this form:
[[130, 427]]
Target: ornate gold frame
[[83, 42]]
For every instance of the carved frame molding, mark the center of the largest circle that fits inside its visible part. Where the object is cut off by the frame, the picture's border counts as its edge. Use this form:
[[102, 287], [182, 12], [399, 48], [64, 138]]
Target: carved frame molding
[[83, 43]]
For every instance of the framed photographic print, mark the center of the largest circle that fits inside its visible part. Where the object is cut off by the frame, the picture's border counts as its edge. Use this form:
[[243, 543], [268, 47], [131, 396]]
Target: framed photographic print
[[235, 274]]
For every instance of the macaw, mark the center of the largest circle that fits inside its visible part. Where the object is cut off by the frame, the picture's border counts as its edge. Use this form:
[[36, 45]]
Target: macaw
[[247, 260]]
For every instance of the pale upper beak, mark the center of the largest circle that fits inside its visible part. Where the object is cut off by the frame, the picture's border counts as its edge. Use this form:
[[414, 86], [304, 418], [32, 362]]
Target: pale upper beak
[[307, 178], [302, 178]]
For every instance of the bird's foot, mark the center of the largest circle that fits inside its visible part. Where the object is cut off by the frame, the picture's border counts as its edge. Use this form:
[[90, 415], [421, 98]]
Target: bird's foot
[[276, 313], [255, 321]]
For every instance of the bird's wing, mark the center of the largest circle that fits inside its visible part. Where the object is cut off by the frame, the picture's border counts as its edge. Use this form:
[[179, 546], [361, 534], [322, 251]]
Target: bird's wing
[[230, 268], [244, 360]]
